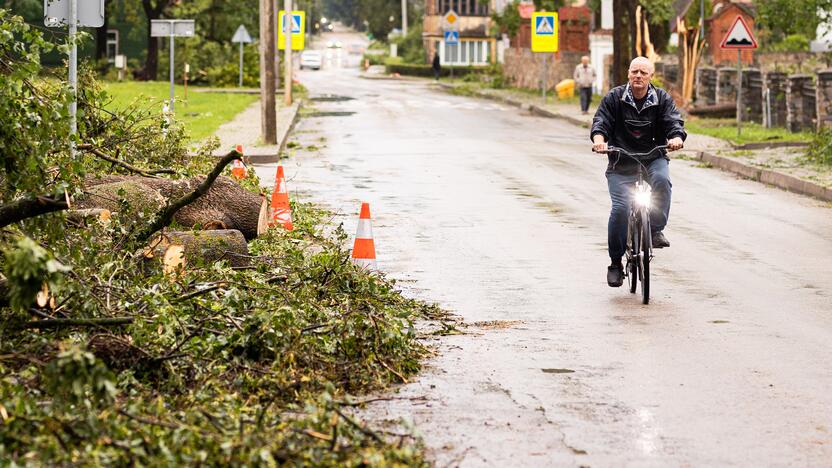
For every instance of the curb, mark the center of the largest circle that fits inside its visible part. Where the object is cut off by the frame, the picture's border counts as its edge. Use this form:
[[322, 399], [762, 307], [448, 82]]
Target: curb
[[772, 144], [282, 137], [533, 108], [767, 176]]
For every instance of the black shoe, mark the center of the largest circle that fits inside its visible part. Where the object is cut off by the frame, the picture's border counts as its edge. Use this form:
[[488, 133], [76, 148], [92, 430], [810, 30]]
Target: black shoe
[[615, 275], [660, 241]]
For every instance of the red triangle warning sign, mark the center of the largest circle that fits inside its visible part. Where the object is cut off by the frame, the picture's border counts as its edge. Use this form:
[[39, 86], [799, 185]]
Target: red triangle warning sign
[[739, 36]]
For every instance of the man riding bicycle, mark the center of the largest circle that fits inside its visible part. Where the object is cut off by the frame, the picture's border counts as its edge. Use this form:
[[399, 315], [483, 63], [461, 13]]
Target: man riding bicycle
[[636, 117]]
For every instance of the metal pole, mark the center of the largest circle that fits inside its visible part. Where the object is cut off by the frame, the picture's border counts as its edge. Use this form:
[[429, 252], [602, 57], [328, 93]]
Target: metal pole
[[171, 68], [768, 108], [701, 20], [544, 78], [73, 75], [241, 64], [739, 92], [287, 32], [404, 18]]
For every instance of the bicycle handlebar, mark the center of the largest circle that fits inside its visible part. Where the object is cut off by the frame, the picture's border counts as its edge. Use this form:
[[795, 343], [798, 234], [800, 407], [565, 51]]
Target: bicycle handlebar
[[613, 149]]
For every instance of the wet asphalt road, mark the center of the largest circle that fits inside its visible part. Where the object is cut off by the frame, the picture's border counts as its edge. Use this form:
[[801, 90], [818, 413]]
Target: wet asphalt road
[[501, 218]]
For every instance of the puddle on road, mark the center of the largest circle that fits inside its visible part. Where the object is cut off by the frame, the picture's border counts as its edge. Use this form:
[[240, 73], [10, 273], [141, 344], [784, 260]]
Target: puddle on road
[[330, 114], [331, 98], [557, 371]]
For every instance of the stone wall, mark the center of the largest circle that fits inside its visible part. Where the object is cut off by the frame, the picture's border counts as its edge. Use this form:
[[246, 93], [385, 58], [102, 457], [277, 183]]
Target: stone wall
[[801, 106], [726, 85], [752, 95], [775, 84], [824, 99], [706, 86], [522, 67]]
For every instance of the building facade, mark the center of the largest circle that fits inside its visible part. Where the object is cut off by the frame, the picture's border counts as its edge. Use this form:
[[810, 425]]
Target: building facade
[[476, 47]]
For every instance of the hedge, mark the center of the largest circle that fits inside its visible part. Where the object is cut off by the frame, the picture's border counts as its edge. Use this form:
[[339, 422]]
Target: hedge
[[427, 70]]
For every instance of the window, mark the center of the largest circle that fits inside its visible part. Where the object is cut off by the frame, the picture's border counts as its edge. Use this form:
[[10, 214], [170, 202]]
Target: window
[[463, 7], [464, 53]]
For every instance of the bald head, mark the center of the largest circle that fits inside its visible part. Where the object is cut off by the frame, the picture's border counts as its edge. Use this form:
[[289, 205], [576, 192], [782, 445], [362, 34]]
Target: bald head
[[639, 76], [642, 62]]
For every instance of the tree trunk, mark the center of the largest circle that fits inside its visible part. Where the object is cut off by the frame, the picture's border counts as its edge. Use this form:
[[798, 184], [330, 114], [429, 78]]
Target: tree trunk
[[151, 64], [226, 205], [620, 43], [187, 249]]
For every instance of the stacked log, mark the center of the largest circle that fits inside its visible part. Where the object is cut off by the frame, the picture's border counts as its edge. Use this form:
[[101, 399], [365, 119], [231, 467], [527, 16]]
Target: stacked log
[[226, 205]]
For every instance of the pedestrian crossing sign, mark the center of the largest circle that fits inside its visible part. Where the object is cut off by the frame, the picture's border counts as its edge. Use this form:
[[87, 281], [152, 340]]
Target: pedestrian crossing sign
[[298, 25], [545, 32], [451, 37]]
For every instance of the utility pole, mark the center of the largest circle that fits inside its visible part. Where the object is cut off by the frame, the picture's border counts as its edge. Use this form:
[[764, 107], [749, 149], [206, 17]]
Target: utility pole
[[268, 116], [404, 18], [288, 22]]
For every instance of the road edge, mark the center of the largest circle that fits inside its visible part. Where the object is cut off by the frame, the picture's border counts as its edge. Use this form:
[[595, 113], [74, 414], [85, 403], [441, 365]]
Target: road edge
[[782, 181]]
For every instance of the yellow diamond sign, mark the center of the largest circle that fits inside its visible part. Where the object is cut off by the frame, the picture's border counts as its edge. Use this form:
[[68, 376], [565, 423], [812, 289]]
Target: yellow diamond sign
[[450, 21]]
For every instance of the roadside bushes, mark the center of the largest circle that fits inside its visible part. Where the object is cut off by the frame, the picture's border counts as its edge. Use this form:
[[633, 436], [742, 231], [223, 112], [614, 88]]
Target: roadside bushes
[[820, 150], [410, 69]]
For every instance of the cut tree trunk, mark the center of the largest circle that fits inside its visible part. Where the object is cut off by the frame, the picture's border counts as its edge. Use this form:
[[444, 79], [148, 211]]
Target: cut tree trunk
[[226, 205], [184, 249]]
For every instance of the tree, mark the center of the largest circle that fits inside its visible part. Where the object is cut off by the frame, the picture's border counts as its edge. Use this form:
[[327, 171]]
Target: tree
[[779, 19], [153, 9]]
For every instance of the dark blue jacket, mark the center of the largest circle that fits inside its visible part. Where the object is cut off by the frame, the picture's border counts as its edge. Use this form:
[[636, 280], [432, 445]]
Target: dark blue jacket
[[624, 126]]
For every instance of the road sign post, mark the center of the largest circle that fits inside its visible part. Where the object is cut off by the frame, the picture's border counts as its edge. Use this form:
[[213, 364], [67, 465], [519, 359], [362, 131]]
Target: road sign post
[[450, 28], [89, 13], [171, 29], [544, 40], [242, 37], [739, 37]]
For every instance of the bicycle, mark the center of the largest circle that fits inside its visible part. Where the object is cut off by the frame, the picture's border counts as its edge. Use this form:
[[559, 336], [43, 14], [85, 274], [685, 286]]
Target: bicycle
[[639, 237]]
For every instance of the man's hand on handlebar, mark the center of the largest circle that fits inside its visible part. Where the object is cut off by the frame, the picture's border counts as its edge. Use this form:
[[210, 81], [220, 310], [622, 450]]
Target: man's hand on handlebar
[[674, 144], [598, 144]]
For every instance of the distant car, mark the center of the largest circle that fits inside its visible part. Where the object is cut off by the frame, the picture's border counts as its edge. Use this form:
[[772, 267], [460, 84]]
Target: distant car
[[334, 44], [311, 59]]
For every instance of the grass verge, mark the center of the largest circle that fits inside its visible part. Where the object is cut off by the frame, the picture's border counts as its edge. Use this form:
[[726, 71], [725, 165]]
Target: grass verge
[[202, 113], [726, 129]]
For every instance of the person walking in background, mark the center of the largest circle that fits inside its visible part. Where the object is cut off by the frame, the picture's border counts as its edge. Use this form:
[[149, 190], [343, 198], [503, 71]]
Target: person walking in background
[[584, 77], [437, 68]]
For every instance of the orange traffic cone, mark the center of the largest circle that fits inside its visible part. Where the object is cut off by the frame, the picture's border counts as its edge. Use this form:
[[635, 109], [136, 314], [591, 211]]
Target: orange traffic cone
[[364, 248], [238, 168], [281, 211]]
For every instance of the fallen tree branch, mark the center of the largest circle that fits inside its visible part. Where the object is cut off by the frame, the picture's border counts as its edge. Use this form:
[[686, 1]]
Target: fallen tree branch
[[118, 162], [166, 215], [358, 426], [30, 207], [63, 323]]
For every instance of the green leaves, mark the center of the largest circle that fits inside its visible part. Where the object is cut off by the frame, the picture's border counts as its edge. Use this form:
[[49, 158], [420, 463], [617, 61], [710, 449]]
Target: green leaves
[[28, 267]]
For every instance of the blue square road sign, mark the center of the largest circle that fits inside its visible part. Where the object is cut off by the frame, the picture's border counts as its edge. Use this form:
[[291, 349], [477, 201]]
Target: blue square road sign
[[451, 37], [544, 26]]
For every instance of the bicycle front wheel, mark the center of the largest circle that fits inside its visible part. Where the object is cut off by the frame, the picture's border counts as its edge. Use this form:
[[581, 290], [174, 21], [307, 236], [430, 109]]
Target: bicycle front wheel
[[633, 230], [646, 248]]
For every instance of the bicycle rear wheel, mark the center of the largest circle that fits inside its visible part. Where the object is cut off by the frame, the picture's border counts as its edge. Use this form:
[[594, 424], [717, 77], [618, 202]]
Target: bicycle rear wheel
[[645, 249]]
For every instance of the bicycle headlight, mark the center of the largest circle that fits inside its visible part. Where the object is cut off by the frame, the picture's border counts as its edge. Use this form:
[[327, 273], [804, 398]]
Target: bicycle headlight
[[643, 198]]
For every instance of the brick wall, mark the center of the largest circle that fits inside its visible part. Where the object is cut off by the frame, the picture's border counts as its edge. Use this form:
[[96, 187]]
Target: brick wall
[[716, 30]]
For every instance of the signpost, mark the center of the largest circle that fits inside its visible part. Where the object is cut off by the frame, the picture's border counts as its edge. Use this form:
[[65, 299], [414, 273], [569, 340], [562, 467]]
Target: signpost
[[242, 37], [74, 13], [544, 39], [450, 28], [739, 37], [171, 29]]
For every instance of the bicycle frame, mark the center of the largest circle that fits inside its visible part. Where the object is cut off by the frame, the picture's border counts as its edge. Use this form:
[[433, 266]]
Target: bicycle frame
[[639, 251]]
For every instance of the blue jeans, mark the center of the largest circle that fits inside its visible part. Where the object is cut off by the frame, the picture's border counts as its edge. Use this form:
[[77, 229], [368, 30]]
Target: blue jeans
[[621, 194]]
